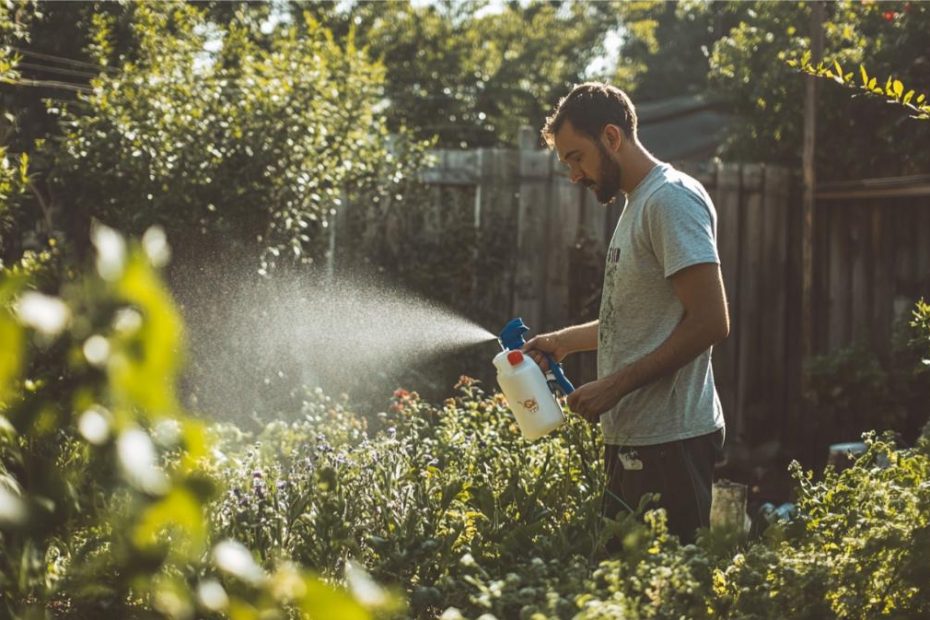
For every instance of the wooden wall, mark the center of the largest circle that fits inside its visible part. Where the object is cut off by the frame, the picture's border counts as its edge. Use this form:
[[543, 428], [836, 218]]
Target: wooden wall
[[542, 242]]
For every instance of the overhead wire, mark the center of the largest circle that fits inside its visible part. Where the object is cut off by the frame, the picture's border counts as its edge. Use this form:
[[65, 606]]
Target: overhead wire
[[49, 84], [67, 61], [36, 67]]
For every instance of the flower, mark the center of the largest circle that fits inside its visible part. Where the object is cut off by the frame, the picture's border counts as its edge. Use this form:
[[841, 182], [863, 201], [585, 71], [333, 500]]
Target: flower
[[465, 381]]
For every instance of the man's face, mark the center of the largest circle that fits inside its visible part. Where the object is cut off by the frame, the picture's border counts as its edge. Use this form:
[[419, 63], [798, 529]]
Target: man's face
[[589, 162]]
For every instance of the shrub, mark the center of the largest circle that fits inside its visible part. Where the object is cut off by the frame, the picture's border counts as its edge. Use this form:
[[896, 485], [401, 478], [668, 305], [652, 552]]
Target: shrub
[[102, 491]]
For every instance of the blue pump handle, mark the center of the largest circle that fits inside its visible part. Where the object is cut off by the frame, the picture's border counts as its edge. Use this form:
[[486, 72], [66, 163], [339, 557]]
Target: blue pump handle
[[511, 337]]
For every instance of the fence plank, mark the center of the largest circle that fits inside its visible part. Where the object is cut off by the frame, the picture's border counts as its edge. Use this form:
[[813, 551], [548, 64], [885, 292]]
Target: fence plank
[[750, 297], [883, 282], [775, 187], [726, 196], [535, 167], [922, 245], [860, 291], [839, 284]]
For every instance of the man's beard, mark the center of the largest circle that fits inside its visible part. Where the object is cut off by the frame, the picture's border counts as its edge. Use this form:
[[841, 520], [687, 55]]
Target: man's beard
[[609, 187]]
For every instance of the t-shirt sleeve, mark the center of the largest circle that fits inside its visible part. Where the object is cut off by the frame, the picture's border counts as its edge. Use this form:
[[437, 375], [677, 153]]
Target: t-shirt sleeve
[[681, 226]]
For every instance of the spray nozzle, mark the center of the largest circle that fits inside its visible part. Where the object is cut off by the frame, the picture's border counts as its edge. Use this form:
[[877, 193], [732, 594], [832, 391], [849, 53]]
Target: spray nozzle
[[511, 337]]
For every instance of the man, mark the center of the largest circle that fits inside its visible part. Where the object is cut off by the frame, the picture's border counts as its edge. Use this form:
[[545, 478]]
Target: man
[[663, 307]]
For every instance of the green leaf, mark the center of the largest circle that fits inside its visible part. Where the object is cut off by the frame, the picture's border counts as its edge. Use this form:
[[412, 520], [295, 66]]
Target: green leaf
[[898, 88], [24, 168], [11, 335], [920, 99], [839, 70], [180, 509], [872, 84], [865, 76], [908, 97], [323, 601]]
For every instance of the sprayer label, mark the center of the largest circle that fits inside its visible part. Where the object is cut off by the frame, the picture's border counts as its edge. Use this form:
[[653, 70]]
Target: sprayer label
[[531, 405], [629, 459]]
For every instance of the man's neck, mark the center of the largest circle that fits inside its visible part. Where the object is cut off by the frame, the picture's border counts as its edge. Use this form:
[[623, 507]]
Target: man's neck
[[641, 162]]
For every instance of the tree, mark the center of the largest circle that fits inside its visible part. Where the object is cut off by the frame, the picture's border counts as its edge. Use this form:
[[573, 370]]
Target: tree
[[666, 45], [471, 76], [252, 140], [864, 137]]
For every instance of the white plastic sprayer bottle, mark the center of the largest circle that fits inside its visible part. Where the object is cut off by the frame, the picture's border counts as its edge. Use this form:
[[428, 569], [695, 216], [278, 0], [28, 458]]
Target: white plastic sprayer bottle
[[525, 387], [527, 392]]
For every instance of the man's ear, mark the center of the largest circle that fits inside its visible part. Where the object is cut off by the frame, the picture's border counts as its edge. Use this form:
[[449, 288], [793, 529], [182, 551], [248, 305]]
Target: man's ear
[[612, 137]]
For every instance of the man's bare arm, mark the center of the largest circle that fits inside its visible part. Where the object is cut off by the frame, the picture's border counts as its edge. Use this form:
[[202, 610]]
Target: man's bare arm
[[558, 344]]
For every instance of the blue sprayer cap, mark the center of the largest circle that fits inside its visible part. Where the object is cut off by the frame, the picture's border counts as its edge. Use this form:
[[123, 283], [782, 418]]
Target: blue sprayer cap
[[511, 337]]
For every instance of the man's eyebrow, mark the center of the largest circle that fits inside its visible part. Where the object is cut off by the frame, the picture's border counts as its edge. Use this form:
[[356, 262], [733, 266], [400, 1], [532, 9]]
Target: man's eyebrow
[[567, 155]]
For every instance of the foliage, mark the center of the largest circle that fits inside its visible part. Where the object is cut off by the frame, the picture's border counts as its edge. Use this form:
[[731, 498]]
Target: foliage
[[14, 178], [188, 133], [469, 75], [421, 489], [14, 171], [893, 91], [102, 490], [114, 501], [666, 46], [853, 390], [865, 138]]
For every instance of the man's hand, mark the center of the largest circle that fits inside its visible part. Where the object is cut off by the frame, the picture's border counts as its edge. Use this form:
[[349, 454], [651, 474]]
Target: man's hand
[[594, 398], [538, 346]]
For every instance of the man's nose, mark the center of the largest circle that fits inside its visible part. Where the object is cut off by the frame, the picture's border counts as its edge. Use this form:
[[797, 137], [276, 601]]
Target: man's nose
[[575, 175]]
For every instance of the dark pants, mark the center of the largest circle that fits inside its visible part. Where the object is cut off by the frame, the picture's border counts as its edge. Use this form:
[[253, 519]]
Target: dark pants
[[680, 472]]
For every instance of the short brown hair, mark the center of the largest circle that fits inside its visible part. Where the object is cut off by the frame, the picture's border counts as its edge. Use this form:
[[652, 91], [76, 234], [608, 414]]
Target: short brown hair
[[590, 107]]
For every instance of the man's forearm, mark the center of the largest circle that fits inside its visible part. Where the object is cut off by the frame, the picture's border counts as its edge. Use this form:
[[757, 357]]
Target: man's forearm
[[578, 338]]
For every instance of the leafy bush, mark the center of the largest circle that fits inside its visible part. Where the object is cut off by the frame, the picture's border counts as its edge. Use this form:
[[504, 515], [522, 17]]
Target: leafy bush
[[852, 390], [114, 502], [424, 488], [227, 140], [102, 489]]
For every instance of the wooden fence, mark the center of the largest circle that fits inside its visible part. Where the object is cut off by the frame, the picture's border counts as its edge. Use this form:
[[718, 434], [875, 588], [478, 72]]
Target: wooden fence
[[872, 260]]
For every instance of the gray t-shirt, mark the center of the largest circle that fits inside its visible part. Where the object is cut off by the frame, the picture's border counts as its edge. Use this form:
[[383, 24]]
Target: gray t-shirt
[[669, 223]]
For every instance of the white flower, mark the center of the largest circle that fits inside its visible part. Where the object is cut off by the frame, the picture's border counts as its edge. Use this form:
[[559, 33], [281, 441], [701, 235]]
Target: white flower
[[94, 425], [111, 251], [48, 315], [233, 558], [155, 245]]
